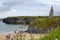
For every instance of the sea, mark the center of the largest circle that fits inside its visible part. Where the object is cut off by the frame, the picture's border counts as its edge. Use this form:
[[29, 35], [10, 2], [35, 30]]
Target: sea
[[10, 28]]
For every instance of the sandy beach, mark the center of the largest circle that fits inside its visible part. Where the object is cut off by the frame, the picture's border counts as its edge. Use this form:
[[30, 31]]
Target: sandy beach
[[27, 36]]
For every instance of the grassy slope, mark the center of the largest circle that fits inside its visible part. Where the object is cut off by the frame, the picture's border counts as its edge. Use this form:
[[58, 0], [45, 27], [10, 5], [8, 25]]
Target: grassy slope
[[53, 35]]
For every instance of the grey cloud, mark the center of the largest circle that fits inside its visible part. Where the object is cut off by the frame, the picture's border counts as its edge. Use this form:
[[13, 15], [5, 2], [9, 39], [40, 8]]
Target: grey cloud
[[8, 4], [4, 8], [56, 9], [57, 13]]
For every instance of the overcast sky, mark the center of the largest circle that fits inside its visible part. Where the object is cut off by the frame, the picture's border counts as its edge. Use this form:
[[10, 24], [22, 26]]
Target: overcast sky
[[28, 7]]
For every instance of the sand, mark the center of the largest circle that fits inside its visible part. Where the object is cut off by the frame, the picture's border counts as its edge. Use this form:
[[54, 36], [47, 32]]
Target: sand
[[27, 36]]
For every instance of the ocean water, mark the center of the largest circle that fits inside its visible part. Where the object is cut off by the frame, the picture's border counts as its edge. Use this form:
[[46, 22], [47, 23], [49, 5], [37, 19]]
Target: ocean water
[[8, 28]]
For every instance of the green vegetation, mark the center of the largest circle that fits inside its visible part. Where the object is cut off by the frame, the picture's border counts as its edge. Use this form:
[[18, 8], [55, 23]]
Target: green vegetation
[[29, 17], [46, 23], [43, 23], [32, 17], [53, 35]]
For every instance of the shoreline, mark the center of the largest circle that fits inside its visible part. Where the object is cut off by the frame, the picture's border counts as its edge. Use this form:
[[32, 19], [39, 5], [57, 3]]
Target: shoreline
[[6, 33]]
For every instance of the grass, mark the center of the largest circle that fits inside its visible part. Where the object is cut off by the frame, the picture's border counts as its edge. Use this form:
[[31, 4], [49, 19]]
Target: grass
[[53, 35]]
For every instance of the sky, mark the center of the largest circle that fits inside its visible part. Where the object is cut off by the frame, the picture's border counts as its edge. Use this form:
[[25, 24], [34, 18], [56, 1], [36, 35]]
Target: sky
[[28, 7]]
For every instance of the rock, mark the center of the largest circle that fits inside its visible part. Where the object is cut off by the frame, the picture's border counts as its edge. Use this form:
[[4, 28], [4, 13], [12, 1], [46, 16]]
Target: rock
[[15, 20]]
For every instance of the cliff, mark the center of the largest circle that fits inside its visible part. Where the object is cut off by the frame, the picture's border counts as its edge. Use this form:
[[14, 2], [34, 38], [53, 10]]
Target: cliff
[[15, 20]]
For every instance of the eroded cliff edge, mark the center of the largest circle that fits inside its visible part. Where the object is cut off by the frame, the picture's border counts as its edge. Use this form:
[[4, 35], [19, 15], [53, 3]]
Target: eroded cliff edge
[[16, 20]]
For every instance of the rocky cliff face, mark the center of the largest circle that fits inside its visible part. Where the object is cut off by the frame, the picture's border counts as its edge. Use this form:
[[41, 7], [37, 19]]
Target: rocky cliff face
[[16, 20]]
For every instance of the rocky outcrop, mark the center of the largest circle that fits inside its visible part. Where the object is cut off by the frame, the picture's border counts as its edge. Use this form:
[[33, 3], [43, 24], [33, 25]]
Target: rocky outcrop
[[36, 30], [16, 20]]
